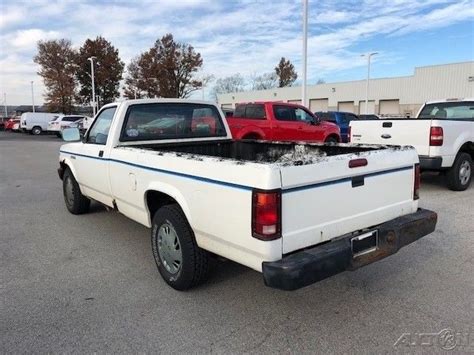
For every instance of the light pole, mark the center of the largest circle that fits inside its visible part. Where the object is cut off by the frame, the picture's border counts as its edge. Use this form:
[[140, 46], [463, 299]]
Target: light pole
[[368, 55], [91, 59], [32, 96], [5, 104], [305, 50]]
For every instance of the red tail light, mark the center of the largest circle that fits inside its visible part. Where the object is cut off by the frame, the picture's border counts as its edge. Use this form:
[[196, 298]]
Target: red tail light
[[436, 136], [417, 182], [266, 214]]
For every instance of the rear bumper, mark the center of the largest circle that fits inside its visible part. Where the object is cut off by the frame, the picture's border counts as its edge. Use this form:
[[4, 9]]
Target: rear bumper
[[315, 264], [430, 163]]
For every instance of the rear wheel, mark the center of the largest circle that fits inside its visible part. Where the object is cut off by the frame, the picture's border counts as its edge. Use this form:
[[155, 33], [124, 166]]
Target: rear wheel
[[76, 202], [180, 261], [459, 176], [36, 130]]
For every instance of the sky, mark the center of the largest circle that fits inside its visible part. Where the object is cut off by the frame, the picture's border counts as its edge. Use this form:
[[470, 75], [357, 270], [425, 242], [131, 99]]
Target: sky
[[244, 36]]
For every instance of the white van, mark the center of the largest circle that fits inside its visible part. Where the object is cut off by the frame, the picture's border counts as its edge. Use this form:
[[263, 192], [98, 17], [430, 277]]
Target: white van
[[36, 122]]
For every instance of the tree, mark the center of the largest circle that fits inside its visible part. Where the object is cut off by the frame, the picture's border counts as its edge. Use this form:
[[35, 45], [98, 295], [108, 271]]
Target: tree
[[264, 81], [166, 70], [286, 73], [134, 86], [320, 81], [108, 69], [233, 83], [57, 68]]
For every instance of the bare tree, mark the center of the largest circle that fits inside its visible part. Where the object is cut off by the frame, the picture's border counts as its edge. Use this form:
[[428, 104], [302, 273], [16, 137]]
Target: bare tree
[[320, 81], [264, 81], [56, 59], [286, 73], [233, 83]]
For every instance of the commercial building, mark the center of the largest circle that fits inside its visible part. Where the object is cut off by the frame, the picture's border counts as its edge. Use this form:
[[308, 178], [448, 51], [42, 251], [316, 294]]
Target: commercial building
[[398, 96]]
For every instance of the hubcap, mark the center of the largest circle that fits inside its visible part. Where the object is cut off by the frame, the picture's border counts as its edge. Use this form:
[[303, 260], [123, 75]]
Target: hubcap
[[465, 172], [169, 248], [69, 192]]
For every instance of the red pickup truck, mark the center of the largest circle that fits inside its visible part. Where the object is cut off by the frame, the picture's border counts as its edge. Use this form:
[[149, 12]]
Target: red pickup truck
[[279, 121]]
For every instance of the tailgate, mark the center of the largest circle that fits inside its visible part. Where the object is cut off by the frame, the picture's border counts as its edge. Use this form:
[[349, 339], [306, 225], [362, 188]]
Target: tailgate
[[412, 132], [328, 199]]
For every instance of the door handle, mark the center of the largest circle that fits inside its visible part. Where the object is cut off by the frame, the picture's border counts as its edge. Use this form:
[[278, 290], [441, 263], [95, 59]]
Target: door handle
[[101, 153], [386, 136]]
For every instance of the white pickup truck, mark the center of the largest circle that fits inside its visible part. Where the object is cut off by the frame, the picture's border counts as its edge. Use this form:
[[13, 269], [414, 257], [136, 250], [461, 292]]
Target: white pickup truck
[[298, 213], [442, 133]]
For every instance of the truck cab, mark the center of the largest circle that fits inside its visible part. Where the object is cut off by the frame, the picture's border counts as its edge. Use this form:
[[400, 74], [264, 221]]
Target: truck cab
[[342, 119]]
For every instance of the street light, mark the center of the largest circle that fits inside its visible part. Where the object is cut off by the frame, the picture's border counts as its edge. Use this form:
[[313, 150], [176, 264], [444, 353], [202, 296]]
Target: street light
[[91, 59], [32, 96], [368, 55], [305, 50]]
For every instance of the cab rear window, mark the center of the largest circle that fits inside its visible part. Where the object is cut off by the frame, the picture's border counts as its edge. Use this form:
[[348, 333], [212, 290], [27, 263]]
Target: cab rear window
[[449, 110]]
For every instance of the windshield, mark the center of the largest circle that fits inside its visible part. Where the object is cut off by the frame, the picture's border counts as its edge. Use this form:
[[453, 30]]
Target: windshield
[[171, 121], [449, 110]]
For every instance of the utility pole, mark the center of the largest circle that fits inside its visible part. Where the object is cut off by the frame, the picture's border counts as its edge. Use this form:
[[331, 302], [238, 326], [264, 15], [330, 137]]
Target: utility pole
[[32, 96], [91, 59], [368, 55], [305, 51]]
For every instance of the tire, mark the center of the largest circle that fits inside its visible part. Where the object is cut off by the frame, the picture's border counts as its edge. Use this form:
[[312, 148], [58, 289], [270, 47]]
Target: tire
[[76, 202], [181, 263], [331, 140], [58, 134], [36, 130], [459, 176]]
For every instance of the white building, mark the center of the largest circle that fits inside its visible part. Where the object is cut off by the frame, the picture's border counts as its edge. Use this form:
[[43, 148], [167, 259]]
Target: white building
[[387, 96]]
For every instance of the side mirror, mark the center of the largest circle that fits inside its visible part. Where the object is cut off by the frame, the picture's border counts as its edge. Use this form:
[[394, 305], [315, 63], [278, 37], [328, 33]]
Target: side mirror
[[71, 134]]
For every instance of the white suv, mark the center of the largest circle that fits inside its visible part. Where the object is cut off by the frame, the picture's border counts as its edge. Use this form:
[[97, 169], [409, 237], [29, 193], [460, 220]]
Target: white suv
[[56, 124]]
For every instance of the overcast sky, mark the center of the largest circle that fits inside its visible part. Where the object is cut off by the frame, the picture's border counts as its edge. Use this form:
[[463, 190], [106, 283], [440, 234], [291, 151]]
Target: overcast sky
[[244, 36]]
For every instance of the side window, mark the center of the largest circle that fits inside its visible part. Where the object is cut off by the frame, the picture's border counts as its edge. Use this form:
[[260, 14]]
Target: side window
[[327, 116], [256, 112], [284, 113], [239, 111], [302, 115], [99, 131]]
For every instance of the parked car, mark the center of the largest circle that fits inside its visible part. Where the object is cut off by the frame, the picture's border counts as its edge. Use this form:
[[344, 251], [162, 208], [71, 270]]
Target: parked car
[[203, 193], [10, 122], [279, 121], [78, 124], [36, 122], [55, 125], [339, 118], [16, 125], [442, 133]]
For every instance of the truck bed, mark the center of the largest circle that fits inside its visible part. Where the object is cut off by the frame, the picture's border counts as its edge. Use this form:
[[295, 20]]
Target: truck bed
[[288, 153]]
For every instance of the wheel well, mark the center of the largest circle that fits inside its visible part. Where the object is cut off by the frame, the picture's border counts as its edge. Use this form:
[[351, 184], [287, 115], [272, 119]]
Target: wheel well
[[468, 148], [155, 200], [335, 136], [251, 136]]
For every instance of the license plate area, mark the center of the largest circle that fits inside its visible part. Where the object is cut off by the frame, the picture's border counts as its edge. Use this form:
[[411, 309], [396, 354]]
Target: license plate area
[[364, 243]]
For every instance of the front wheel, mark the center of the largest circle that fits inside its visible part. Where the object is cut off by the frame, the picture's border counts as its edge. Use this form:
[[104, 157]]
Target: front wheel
[[459, 176], [76, 202], [180, 261], [331, 140]]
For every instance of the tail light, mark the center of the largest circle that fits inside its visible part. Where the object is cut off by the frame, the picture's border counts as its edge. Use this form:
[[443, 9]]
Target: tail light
[[417, 182], [436, 136], [349, 134], [266, 214]]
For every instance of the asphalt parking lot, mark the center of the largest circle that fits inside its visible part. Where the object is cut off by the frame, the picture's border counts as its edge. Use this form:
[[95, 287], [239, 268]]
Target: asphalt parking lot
[[89, 283]]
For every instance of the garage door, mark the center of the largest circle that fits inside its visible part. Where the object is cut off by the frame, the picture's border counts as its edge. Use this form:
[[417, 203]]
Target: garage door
[[316, 105], [389, 107], [346, 106], [371, 106]]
